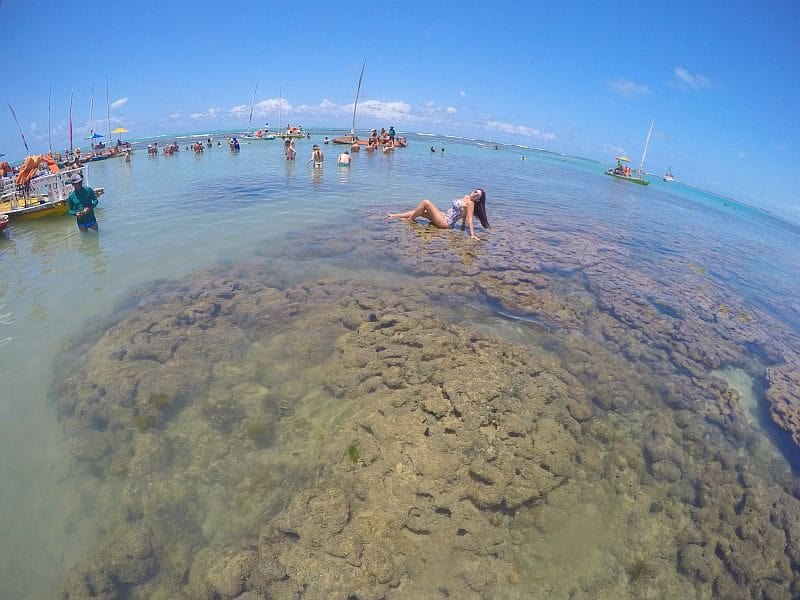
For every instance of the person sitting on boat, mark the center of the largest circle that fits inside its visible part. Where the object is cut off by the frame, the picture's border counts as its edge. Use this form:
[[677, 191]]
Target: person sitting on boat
[[463, 209], [81, 203], [316, 156], [627, 171], [344, 159], [326, 140]]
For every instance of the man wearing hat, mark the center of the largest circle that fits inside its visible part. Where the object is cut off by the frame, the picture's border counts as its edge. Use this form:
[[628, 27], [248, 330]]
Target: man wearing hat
[[81, 203]]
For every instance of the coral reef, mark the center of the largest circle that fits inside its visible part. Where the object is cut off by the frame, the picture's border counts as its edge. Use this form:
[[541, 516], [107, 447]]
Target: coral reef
[[529, 418]]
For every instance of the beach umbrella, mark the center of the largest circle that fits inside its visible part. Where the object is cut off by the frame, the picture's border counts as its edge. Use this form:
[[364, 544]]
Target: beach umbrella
[[94, 136], [1, 154], [623, 158], [120, 130]]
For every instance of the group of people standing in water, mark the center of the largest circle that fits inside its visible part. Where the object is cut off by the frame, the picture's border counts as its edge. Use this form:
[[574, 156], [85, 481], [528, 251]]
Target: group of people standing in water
[[462, 210]]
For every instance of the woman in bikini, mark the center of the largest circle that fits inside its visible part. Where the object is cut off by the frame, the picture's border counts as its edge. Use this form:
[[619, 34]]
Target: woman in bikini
[[462, 209]]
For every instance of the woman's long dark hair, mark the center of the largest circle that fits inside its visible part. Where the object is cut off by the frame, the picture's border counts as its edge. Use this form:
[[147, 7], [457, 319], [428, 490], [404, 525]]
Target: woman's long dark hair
[[480, 210]]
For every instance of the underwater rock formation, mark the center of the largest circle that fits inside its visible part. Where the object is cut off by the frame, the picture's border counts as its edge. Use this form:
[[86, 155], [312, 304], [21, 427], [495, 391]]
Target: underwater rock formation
[[248, 435]]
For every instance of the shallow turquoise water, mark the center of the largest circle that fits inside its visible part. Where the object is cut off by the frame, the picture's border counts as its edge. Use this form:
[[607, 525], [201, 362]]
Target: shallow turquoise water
[[166, 217]]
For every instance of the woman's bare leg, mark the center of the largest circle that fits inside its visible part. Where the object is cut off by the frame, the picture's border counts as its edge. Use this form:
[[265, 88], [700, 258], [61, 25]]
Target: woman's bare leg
[[426, 210]]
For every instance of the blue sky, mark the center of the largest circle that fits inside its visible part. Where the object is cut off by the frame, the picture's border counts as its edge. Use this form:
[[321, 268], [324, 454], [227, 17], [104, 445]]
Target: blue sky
[[722, 80]]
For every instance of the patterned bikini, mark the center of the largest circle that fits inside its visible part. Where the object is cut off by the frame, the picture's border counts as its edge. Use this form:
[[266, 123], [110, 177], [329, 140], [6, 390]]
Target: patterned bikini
[[454, 214]]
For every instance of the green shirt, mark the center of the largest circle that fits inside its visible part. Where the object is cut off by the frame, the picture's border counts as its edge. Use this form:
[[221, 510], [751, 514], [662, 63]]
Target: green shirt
[[80, 198]]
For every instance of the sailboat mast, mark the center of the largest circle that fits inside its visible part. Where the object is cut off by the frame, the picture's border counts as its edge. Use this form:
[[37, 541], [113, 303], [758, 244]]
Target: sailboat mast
[[108, 114], [71, 94], [252, 102], [280, 105], [49, 133], [647, 143], [22, 135], [91, 119], [355, 104]]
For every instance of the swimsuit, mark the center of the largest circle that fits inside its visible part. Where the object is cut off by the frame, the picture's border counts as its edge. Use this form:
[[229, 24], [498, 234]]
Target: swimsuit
[[454, 214]]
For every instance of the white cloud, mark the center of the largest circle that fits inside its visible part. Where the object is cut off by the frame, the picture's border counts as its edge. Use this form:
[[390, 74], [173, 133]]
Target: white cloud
[[326, 104], [451, 110], [387, 111], [462, 93], [686, 81], [627, 88], [209, 114], [33, 127], [522, 130], [175, 116], [263, 108], [614, 150], [119, 102]]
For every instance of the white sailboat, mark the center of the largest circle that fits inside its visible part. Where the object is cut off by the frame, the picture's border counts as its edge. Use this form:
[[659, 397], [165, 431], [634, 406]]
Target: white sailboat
[[353, 138], [640, 170], [261, 134], [636, 176], [669, 176]]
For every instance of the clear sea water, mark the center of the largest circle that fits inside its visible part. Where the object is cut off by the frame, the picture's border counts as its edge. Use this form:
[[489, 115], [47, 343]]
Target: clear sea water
[[169, 217]]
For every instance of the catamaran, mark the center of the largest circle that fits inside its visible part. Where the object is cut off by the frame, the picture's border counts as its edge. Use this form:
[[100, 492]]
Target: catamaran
[[669, 176], [622, 172]]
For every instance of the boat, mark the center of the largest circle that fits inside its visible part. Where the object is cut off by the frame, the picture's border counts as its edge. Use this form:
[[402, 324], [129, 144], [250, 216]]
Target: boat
[[399, 142], [260, 134], [290, 133], [293, 133], [353, 138], [623, 172], [42, 196], [95, 157], [669, 176]]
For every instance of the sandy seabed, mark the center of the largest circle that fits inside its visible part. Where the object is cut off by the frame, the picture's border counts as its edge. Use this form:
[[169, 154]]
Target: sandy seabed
[[525, 417]]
